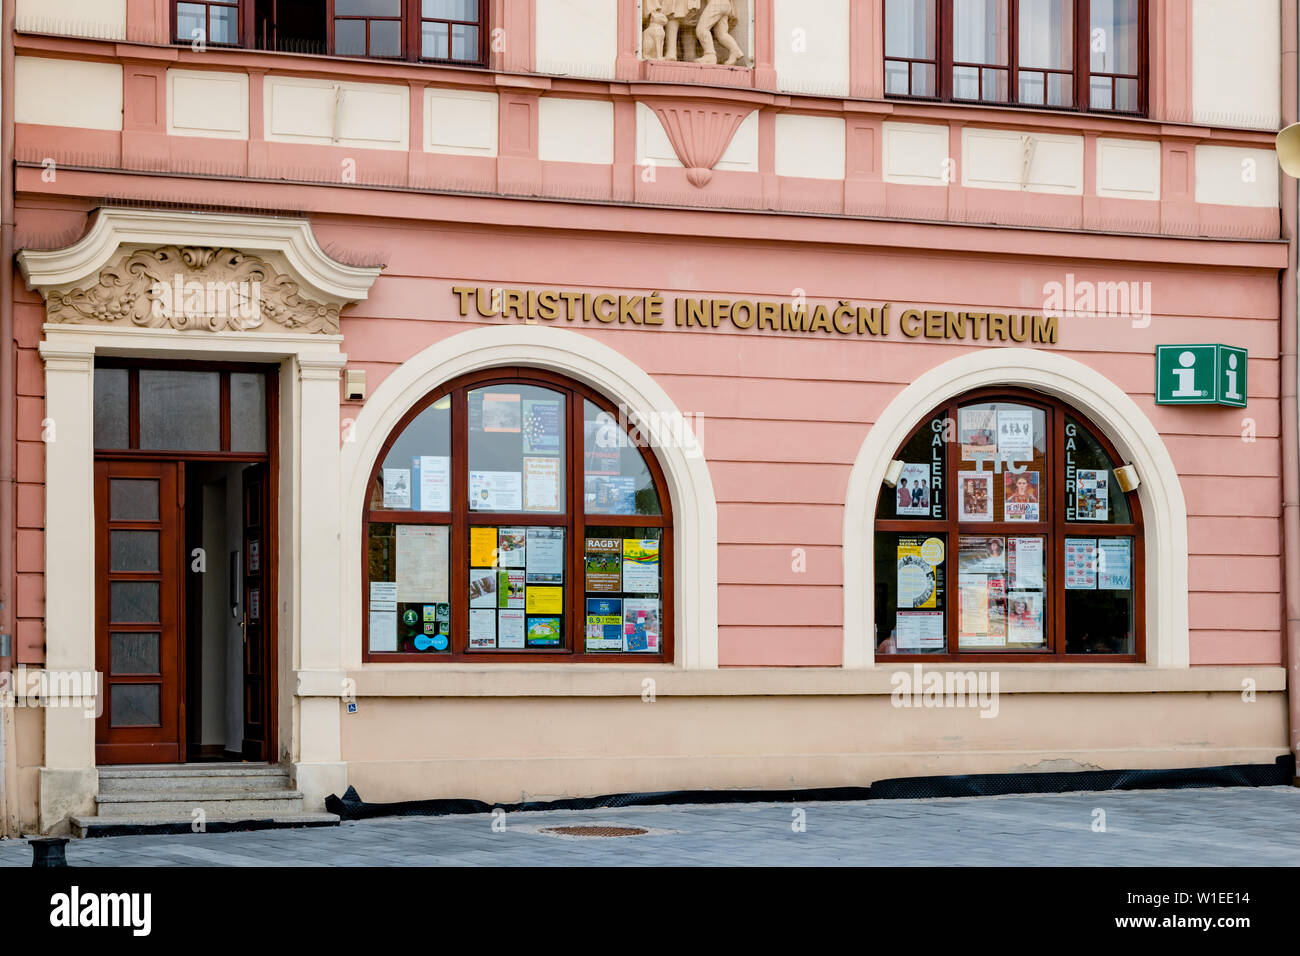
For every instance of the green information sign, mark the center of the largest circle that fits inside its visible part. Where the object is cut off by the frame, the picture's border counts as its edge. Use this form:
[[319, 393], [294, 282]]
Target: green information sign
[[1200, 375]]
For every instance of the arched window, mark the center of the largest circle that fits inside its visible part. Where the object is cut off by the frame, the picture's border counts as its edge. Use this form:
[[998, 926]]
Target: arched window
[[1006, 536], [514, 514]]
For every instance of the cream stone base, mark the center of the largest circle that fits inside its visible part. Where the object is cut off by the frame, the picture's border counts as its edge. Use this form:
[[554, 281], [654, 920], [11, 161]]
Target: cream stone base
[[64, 793], [317, 781]]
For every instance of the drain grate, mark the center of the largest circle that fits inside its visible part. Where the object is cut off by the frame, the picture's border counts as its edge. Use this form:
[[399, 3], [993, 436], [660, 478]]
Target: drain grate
[[594, 831]]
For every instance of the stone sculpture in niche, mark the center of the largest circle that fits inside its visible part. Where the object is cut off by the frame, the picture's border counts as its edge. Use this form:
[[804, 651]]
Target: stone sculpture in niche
[[681, 29], [654, 23], [716, 21]]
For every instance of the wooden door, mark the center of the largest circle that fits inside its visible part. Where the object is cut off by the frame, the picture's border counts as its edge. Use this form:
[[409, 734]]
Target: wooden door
[[139, 646], [257, 609]]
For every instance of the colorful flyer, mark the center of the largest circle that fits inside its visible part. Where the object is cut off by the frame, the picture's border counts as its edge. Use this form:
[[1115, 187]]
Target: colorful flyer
[[1091, 494], [1080, 564], [1024, 617], [510, 588], [422, 562], [544, 632], [981, 555], [482, 587], [1020, 497], [510, 629], [397, 488], [541, 426], [435, 482], [511, 546], [1016, 435], [544, 600], [918, 630], [1026, 563], [501, 412], [604, 564], [641, 565], [483, 547], [545, 559], [604, 624], [541, 484], [482, 628], [610, 494], [1114, 564], [912, 496], [920, 572], [641, 625], [975, 497], [977, 430], [495, 491]]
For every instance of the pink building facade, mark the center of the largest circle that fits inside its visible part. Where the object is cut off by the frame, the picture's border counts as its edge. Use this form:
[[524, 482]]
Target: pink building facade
[[790, 288]]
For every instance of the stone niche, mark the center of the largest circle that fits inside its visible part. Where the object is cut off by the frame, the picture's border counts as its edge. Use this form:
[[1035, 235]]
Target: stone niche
[[704, 32]]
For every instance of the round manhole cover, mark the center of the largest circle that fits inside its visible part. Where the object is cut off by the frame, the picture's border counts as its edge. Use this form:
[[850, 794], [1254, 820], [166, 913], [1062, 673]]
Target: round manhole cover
[[594, 831]]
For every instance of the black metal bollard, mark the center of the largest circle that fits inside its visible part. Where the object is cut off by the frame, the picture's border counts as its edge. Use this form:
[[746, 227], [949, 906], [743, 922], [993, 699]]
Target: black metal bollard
[[48, 851]]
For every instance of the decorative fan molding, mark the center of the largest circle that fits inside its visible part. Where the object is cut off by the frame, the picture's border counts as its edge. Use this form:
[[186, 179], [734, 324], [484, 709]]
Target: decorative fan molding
[[700, 132]]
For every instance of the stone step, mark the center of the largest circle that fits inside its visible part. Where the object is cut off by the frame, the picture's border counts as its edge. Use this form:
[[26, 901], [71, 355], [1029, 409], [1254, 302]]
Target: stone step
[[174, 803], [192, 778], [105, 825]]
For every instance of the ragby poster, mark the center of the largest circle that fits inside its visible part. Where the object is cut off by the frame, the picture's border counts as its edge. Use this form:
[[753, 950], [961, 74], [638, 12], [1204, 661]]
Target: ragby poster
[[1091, 494], [641, 624], [1024, 617], [1016, 435], [604, 564], [604, 624], [1114, 564], [918, 630], [641, 565], [1080, 564], [977, 430], [1020, 497], [975, 495], [541, 425], [913, 492], [920, 572]]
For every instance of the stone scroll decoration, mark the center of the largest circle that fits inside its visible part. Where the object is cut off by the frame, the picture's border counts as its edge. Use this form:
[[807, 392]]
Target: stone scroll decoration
[[193, 288], [692, 31]]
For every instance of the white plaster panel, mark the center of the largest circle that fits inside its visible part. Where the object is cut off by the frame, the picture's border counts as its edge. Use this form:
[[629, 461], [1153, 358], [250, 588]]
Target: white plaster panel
[[203, 103], [577, 37], [1235, 176], [575, 131], [1007, 159], [101, 19], [653, 145], [462, 122], [368, 115], [67, 93], [812, 46], [811, 147], [1128, 168], [1237, 63], [915, 153]]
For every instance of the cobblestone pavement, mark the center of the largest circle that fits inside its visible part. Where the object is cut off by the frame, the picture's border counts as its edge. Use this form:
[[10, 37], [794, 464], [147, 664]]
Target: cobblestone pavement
[[1229, 827]]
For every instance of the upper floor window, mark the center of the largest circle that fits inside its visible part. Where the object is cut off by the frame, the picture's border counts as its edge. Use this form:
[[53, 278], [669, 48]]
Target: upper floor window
[[216, 21], [1066, 54]]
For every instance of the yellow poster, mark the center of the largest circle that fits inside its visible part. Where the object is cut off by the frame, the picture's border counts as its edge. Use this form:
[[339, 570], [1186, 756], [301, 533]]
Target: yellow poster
[[482, 547], [544, 600], [919, 578]]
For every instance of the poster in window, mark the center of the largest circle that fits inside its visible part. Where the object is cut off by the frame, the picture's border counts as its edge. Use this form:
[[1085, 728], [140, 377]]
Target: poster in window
[[920, 572], [1020, 499], [544, 600], [1091, 494], [482, 587], [912, 496], [541, 484], [975, 498], [641, 625], [510, 629], [422, 559], [1016, 435], [641, 565], [483, 547], [482, 628], [1026, 563], [397, 488], [973, 623], [501, 413], [545, 558], [1114, 564], [1080, 564], [610, 494], [977, 430], [1025, 617], [544, 632], [510, 547], [254, 556], [981, 555], [604, 624], [383, 615], [918, 630], [604, 564], [603, 441], [435, 482], [541, 426], [510, 588], [495, 491]]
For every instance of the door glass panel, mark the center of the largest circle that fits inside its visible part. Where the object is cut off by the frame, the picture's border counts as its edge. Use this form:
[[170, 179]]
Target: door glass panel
[[133, 602], [1099, 615], [135, 705], [133, 551], [616, 479], [133, 653], [180, 410], [911, 593], [133, 499], [112, 408], [247, 411], [417, 471], [516, 449]]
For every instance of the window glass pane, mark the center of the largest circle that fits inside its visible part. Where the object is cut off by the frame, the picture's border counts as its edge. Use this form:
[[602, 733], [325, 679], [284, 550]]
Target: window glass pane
[[385, 38], [997, 86], [1001, 600], [1126, 95], [180, 410], [516, 449], [133, 602], [133, 551], [1099, 595], [112, 408], [1060, 89], [965, 83], [433, 45], [464, 42], [923, 80], [368, 8], [517, 590], [350, 37], [623, 571], [133, 653], [451, 9], [134, 705], [911, 593], [133, 499], [409, 600], [616, 478], [1004, 463], [1099, 93], [896, 77], [224, 24], [1091, 494], [919, 492], [1113, 39], [909, 29], [416, 474], [1047, 34], [1032, 88], [980, 29], [247, 411], [191, 17]]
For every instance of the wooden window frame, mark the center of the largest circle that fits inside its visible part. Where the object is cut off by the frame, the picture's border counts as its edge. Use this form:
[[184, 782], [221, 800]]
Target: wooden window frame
[[240, 21], [1054, 528], [1081, 74], [576, 522]]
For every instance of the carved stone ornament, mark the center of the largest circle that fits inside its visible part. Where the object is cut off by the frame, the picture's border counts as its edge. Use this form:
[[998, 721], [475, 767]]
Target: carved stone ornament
[[193, 287], [699, 132]]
